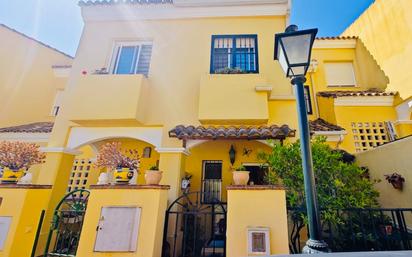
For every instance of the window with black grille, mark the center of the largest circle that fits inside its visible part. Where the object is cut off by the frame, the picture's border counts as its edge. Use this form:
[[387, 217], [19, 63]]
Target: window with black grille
[[233, 54]]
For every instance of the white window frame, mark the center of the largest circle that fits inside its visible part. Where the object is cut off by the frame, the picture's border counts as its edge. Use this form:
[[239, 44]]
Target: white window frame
[[263, 230], [117, 45], [353, 75]]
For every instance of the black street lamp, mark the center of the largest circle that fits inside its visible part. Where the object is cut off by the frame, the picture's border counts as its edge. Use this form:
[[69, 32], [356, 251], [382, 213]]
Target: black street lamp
[[293, 51]]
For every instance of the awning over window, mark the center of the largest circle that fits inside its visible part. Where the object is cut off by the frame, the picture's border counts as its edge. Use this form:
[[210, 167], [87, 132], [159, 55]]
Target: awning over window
[[232, 132]]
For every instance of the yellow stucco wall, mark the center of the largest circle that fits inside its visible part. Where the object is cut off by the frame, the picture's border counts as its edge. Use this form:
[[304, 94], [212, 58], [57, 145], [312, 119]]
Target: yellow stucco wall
[[27, 83], [386, 160], [24, 205], [386, 30], [175, 76], [269, 210], [153, 203], [219, 151]]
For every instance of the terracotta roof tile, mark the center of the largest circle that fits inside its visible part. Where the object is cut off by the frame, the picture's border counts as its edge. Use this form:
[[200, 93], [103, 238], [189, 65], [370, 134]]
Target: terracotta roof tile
[[38, 127], [322, 125], [112, 2], [232, 132], [336, 94], [337, 38]]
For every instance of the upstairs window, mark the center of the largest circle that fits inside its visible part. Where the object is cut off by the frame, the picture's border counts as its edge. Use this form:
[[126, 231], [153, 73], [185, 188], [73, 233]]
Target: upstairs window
[[234, 54], [340, 74], [131, 58]]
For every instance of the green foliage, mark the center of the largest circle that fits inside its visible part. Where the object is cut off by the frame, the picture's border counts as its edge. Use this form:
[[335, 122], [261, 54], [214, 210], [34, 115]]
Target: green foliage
[[339, 184], [154, 167], [241, 168]]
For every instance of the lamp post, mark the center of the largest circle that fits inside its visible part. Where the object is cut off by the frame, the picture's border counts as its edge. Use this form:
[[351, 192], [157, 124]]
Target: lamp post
[[293, 50]]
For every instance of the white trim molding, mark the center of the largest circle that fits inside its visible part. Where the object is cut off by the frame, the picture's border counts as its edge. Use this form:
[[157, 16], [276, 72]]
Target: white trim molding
[[184, 10], [172, 150], [80, 136], [60, 150], [332, 136], [335, 44], [61, 71], [364, 101], [26, 137], [399, 122]]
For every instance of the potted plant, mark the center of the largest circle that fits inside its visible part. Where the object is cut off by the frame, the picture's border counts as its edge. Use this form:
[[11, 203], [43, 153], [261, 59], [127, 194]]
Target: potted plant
[[124, 162], [153, 175], [396, 180], [16, 158], [240, 175]]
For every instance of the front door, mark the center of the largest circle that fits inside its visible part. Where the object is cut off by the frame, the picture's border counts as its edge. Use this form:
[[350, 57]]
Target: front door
[[212, 181]]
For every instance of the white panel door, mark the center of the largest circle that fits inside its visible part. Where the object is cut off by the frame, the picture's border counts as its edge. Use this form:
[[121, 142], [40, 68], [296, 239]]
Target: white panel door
[[118, 229], [4, 230]]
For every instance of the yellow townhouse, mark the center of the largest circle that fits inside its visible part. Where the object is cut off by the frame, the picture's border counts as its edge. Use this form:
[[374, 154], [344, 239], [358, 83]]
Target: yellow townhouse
[[193, 86]]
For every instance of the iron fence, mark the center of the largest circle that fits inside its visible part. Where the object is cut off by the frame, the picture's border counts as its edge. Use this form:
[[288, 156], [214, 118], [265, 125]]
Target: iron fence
[[352, 229]]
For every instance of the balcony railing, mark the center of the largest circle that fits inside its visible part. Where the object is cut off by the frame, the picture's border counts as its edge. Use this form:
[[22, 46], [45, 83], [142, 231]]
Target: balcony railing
[[211, 191]]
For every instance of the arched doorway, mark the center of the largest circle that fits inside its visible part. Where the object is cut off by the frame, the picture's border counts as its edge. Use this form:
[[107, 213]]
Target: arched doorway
[[194, 228]]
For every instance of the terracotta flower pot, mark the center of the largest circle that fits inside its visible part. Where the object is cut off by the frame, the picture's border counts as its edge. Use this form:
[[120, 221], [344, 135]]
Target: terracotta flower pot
[[153, 177], [240, 177], [123, 175], [11, 176]]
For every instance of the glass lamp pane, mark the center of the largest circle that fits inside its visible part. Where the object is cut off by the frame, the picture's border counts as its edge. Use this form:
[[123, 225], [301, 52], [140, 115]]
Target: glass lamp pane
[[297, 48], [299, 70], [282, 59]]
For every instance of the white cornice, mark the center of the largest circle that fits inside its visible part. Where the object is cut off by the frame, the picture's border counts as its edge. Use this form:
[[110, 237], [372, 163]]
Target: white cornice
[[60, 150], [172, 150], [209, 3], [332, 136], [129, 12], [26, 137], [334, 43], [364, 101], [399, 122]]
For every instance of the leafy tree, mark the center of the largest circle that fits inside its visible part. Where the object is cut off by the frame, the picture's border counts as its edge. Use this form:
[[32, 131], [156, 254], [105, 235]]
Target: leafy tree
[[340, 183]]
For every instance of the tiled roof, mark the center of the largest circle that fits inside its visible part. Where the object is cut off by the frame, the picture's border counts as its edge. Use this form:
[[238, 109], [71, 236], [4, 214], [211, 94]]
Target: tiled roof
[[38, 127], [111, 2], [337, 38], [336, 94], [322, 125], [35, 40], [232, 132]]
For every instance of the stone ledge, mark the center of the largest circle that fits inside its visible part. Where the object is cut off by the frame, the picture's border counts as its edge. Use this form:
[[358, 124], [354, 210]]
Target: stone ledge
[[136, 187], [22, 186], [255, 187]]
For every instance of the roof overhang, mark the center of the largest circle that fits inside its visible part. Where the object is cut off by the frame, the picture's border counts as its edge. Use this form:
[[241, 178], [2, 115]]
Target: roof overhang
[[335, 43], [231, 133], [26, 137], [181, 9], [364, 101]]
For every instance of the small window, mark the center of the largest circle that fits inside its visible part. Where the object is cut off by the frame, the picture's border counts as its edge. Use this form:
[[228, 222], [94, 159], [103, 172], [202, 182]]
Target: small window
[[147, 152], [236, 52], [258, 241], [308, 101], [131, 58], [340, 74]]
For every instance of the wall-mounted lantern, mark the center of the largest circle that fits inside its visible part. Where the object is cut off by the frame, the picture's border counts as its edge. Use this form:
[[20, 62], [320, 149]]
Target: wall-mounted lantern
[[232, 154], [396, 180]]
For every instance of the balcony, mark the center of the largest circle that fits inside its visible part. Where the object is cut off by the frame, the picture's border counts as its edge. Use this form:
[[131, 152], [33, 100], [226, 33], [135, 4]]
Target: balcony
[[233, 99], [102, 99]]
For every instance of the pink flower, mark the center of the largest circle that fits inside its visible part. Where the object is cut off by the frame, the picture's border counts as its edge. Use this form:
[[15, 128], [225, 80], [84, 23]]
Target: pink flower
[[17, 155]]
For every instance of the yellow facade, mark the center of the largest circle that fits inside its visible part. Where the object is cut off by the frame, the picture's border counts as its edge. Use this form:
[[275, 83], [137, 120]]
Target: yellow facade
[[379, 29], [24, 205], [28, 82]]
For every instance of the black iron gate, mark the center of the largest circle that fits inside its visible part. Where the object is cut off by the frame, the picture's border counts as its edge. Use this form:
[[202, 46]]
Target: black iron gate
[[67, 224], [194, 228]]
